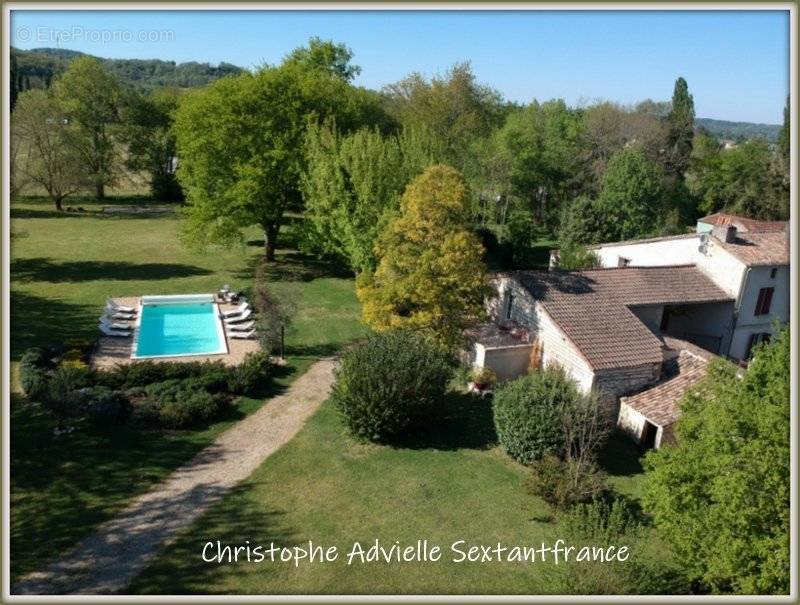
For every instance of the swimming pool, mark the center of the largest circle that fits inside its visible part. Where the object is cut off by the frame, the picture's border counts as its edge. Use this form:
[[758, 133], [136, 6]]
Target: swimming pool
[[174, 326]]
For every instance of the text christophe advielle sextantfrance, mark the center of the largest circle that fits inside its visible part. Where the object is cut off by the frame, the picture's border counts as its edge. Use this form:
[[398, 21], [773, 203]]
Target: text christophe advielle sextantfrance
[[421, 551]]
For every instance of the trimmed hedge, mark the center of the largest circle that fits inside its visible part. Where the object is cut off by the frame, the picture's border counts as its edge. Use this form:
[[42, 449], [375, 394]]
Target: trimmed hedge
[[102, 405], [143, 373], [33, 367], [528, 414], [254, 369], [174, 404], [388, 382], [168, 394]]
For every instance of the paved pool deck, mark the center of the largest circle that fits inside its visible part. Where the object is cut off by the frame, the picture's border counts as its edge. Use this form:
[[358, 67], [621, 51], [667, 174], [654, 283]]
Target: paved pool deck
[[115, 350]]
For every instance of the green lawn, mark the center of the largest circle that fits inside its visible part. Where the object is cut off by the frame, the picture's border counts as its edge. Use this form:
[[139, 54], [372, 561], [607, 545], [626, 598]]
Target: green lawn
[[451, 484], [63, 267]]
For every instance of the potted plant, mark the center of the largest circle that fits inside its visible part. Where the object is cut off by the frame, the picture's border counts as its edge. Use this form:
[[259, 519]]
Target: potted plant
[[483, 379]]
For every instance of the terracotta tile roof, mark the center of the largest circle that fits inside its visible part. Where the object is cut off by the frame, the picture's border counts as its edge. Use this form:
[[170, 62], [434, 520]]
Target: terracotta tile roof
[[754, 249], [749, 225], [592, 307], [660, 403]]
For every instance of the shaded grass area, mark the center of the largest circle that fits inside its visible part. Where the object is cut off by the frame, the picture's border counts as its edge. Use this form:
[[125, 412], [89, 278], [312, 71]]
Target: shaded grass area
[[64, 486], [63, 267], [451, 483]]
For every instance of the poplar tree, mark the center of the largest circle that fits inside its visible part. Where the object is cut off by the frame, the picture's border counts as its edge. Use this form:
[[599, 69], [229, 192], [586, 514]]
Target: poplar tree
[[681, 129]]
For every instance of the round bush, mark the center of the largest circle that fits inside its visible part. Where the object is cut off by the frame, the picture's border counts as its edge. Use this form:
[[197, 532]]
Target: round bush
[[528, 414], [101, 405], [190, 408], [389, 381], [246, 376], [33, 367]]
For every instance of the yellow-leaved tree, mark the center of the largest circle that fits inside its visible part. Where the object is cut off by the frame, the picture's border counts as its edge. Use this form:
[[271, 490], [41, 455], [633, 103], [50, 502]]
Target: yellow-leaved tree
[[431, 274]]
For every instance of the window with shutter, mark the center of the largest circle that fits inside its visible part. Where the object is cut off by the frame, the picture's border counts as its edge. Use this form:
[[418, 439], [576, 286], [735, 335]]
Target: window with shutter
[[764, 301]]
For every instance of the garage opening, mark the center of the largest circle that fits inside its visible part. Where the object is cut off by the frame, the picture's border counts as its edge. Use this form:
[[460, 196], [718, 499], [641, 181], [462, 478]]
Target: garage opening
[[649, 433]]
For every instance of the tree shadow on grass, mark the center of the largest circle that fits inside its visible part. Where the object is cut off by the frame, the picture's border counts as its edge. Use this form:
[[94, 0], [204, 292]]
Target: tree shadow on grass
[[621, 457], [236, 520], [44, 269], [464, 422], [37, 321], [323, 349], [35, 207], [291, 265], [32, 213], [62, 487], [270, 388]]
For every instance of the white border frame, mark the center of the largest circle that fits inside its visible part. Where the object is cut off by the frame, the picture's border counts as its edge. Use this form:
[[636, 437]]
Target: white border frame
[[578, 6]]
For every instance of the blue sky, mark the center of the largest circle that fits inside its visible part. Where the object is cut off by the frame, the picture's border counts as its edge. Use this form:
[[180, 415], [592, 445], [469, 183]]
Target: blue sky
[[736, 62]]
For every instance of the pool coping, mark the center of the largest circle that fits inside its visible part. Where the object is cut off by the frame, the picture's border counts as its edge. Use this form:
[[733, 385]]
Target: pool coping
[[180, 299]]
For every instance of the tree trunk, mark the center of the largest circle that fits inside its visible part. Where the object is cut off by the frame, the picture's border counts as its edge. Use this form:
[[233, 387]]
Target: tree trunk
[[59, 207], [100, 191], [270, 241]]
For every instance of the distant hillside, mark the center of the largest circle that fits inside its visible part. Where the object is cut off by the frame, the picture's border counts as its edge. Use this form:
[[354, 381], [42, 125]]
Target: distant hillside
[[723, 129], [36, 68]]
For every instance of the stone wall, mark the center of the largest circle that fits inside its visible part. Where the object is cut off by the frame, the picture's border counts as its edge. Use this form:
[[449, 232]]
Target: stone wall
[[508, 362], [621, 381], [557, 349], [630, 422]]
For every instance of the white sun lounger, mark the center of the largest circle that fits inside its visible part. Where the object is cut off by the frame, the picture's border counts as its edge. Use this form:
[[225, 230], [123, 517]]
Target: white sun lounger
[[119, 308], [237, 318], [114, 325], [113, 313], [242, 327], [248, 335], [240, 310], [110, 332]]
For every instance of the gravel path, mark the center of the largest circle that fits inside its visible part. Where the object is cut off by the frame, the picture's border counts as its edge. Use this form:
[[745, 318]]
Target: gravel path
[[109, 559]]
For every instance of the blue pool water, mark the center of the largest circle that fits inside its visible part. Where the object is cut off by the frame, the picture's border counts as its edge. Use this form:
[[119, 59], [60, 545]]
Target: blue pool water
[[179, 329]]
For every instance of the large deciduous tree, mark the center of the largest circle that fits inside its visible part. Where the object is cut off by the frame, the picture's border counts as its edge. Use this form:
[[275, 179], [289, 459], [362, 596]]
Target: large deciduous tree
[[327, 56], [92, 99], [608, 128], [631, 197], [542, 142], [453, 110], [584, 222], [147, 130], [681, 129], [240, 144], [747, 180], [42, 136], [720, 496], [352, 185], [431, 275]]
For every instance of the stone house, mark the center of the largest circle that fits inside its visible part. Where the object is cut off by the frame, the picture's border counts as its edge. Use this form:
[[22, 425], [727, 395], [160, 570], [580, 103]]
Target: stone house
[[598, 325], [643, 327], [648, 415], [748, 259]]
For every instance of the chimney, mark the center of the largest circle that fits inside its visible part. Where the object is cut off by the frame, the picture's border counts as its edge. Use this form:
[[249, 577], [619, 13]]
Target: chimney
[[555, 258], [724, 233]]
